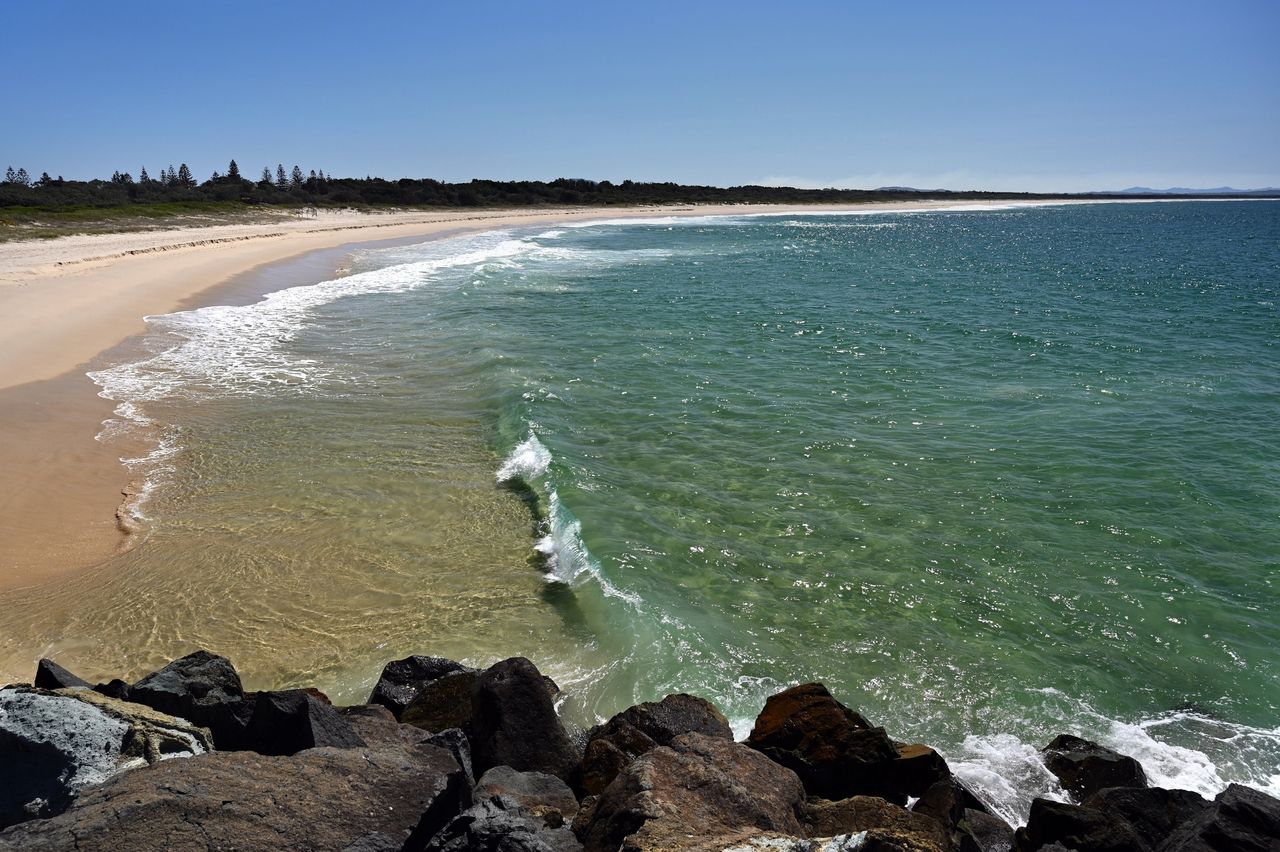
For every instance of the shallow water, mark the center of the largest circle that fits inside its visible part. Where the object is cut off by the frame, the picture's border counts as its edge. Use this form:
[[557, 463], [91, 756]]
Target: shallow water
[[990, 475]]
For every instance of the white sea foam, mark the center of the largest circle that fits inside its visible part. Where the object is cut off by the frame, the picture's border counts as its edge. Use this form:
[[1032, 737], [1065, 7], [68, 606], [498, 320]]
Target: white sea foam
[[1180, 750], [529, 460], [1006, 773], [241, 350], [225, 349]]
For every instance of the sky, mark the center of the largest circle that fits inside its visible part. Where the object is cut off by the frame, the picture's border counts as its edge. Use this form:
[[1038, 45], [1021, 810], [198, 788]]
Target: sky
[[1034, 96]]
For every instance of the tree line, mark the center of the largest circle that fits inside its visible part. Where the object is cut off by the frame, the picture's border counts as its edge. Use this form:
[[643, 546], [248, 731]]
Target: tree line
[[314, 188]]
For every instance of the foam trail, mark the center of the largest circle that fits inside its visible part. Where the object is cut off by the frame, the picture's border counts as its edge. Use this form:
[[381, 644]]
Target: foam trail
[[564, 552]]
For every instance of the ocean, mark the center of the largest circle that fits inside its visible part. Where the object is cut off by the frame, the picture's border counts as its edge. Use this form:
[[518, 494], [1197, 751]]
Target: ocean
[[990, 474]]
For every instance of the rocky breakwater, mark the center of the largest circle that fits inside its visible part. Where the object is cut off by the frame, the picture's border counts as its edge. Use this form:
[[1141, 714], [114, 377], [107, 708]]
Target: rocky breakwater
[[448, 757]]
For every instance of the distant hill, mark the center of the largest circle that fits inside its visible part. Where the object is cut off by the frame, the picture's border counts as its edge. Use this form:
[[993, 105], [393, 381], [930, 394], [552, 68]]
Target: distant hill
[[1182, 190]]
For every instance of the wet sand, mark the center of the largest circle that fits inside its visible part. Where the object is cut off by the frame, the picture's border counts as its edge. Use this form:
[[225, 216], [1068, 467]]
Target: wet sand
[[69, 304]]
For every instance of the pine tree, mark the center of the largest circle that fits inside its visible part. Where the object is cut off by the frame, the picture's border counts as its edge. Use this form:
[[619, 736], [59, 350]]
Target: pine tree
[[45, 180], [170, 177], [266, 175], [143, 177], [23, 178], [215, 177], [233, 172], [295, 179], [10, 176], [281, 180], [184, 176]]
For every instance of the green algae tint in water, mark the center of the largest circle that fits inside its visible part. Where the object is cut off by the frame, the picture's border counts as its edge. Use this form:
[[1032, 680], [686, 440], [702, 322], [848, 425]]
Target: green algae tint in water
[[990, 475], [1001, 473]]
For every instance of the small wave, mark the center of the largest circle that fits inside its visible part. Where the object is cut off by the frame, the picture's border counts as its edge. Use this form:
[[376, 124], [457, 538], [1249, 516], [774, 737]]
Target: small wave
[[564, 553], [529, 460]]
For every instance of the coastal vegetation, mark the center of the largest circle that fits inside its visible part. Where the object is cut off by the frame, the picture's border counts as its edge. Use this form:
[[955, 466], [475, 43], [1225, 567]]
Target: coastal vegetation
[[27, 201]]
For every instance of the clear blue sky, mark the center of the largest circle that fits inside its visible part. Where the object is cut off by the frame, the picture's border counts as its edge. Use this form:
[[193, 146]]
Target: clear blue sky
[[1020, 95]]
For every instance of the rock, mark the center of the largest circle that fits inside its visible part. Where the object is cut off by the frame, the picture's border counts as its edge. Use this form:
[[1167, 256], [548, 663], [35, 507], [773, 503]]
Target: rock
[[636, 730], [663, 721], [323, 798], [752, 841], [698, 787], [1240, 819], [499, 824], [374, 724], [515, 723], [1084, 767], [456, 742], [972, 826], [979, 831], [443, 703], [375, 842], [1076, 828], [114, 688], [1151, 812], [53, 745], [544, 796], [947, 800], [402, 680], [887, 825], [288, 721], [203, 688], [50, 675], [917, 768], [835, 751]]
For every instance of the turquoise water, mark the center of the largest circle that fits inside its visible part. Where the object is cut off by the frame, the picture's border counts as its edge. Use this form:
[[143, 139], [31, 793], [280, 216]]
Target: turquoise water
[[990, 475]]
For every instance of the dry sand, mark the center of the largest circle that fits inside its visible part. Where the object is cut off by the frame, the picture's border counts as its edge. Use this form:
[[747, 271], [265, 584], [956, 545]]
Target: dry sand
[[67, 301]]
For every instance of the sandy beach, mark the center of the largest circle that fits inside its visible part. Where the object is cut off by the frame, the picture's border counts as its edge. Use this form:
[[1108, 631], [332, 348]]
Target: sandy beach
[[66, 302]]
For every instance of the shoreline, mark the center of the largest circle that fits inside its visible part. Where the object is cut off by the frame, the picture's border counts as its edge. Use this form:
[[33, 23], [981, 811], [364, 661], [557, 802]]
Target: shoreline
[[72, 304], [76, 303]]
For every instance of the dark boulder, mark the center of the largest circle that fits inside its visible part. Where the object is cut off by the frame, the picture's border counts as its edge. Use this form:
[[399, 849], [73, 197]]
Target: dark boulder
[[1079, 828], [323, 798], [698, 786], [888, 826], [916, 768], [499, 824], [288, 721], [947, 800], [639, 729], [1240, 819], [663, 721], [402, 680], [50, 675], [979, 831], [455, 741], [203, 688], [515, 723], [1151, 812], [55, 745], [374, 724], [114, 688], [836, 752], [1083, 767], [545, 796], [972, 826], [443, 703]]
